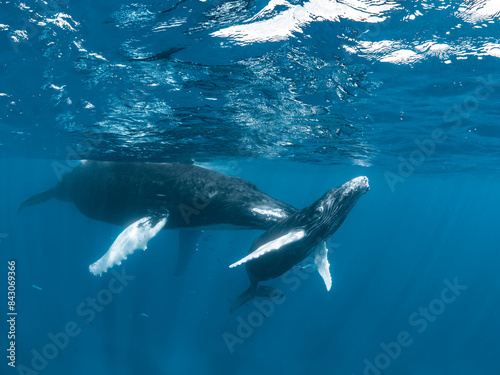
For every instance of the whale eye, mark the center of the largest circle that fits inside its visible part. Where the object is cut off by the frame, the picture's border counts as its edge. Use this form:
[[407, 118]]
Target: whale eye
[[320, 209]]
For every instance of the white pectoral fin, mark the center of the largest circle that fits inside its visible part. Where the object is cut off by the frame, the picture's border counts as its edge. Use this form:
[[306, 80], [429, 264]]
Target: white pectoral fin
[[274, 245], [321, 260], [135, 236]]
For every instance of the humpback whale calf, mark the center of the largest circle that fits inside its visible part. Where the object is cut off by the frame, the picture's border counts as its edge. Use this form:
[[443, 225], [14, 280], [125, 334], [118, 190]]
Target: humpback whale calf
[[290, 241], [148, 197]]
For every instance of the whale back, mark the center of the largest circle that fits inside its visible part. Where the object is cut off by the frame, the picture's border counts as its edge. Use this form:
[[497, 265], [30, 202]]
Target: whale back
[[194, 197]]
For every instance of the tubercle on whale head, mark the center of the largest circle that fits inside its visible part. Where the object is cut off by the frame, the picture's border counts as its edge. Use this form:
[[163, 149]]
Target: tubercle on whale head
[[351, 190], [328, 212], [359, 183]]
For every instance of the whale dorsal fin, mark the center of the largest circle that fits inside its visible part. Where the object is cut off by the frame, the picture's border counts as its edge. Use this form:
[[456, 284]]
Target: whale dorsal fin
[[135, 236], [274, 245], [321, 260]]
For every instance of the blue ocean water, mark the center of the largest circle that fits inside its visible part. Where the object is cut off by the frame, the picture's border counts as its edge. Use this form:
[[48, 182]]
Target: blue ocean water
[[297, 97]]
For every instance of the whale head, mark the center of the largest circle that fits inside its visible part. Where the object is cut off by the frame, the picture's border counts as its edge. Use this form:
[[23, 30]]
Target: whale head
[[327, 214]]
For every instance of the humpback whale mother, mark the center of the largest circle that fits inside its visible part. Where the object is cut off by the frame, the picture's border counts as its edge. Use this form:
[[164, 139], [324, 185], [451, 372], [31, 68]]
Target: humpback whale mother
[[148, 197]]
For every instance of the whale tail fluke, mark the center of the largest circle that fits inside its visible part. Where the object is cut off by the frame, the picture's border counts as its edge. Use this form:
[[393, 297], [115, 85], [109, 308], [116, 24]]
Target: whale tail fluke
[[244, 297], [255, 290], [38, 198]]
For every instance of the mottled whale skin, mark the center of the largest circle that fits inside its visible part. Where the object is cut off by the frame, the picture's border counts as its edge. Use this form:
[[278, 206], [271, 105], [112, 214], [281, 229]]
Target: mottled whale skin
[[194, 197], [148, 197], [292, 240]]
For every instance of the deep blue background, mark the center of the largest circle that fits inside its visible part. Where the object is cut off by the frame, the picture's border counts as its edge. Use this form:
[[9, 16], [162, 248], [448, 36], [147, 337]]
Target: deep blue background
[[389, 258], [351, 90]]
